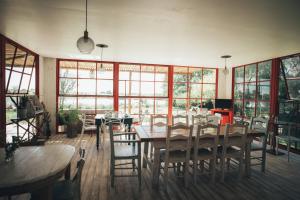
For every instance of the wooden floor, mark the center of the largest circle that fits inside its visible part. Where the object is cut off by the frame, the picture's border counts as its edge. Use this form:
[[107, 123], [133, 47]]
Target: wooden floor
[[280, 181]]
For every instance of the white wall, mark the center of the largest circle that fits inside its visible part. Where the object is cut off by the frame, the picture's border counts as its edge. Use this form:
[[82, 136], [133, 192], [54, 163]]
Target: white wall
[[224, 84], [48, 87]]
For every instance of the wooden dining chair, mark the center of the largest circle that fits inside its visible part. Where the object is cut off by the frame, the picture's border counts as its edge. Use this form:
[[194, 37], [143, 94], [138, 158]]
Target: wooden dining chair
[[178, 146], [121, 151], [233, 147], [180, 120], [260, 144], [205, 148], [213, 119], [69, 189], [199, 119], [159, 120]]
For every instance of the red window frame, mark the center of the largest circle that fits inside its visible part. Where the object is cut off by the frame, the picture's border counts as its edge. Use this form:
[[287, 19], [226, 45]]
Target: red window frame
[[188, 83]]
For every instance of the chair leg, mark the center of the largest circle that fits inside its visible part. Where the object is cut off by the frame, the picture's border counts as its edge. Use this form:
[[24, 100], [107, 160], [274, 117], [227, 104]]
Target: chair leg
[[263, 164], [276, 145], [202, 166], [195, 171], [112, 173], [288, 150], [222, 169], [228, 163], [186, 172], [140, 171], [213, 169], [133, 164], [240, 168]]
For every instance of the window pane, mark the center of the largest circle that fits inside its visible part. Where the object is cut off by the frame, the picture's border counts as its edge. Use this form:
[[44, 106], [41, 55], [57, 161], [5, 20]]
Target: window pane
[[195, 103], [133, 106], [25, 84], [9, 55], [238, 91], [135, 76], [67, 86], [264, 70], [180, 90], [147, 88], [19, 60], [263, 92], [135, 88], [161, 89], [238, 108], [123, 88], [209, 76], [32, 83], [250, 73], [14, 82], [195, 90], [11, 110], [86, 86], [250, 91], [67, 103], [195, 75], [124, 75], [209, 91], [86, 103], [105, 103], [180, 74], [263, 109], [239, 74], [161, 106], [294, 88], [122, 105], [86, 70], [292, 66], [161, 74], [68, 69], [105, 87], [249, 109], [106, 71], [147, 106], [147, 73], [179, 106]]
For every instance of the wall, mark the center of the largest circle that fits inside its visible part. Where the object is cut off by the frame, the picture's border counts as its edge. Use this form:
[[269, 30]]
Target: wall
[[48, 87]]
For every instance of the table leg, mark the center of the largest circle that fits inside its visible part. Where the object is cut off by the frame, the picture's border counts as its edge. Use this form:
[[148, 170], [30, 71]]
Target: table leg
[[248, 158], [145, 156], [155, 169], [97, 133], [68, 172]]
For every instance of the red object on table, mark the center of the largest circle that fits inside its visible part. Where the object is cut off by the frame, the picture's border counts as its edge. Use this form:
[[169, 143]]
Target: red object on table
[[227, 115]]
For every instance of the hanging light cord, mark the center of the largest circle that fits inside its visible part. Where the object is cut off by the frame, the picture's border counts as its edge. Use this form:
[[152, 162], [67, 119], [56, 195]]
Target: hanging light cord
[[225, 63], [101, 57], [86, 4]]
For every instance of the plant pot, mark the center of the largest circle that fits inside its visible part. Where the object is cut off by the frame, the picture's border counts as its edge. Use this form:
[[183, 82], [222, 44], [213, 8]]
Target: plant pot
[[72, 130], [22, 113]]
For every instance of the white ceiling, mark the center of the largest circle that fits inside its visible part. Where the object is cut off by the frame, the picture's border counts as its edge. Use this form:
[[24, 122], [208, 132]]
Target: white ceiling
[[180, 32]]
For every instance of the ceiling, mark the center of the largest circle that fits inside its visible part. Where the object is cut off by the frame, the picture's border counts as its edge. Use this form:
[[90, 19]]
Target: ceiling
[[179, 32]]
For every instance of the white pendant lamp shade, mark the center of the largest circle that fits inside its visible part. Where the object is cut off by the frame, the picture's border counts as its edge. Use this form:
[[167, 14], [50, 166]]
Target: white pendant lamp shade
[[85, 44]]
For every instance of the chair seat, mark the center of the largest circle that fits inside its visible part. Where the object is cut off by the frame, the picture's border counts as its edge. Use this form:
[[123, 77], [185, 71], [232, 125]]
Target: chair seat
[[255, 146], [125, 151], [63, 190], [177, 155]]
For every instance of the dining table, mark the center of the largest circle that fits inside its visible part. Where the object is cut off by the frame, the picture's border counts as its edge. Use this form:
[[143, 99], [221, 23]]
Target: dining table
[[35, 169], [101, 119], [157, 136]]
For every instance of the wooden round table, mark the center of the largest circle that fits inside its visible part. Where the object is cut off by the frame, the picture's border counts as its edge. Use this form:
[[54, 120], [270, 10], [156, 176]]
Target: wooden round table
[[34, 169]]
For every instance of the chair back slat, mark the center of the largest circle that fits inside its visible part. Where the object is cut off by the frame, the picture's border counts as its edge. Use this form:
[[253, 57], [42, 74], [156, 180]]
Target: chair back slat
[[179, 138], [235, 135], [180, 120], [159, 120], [260, 124], [207, 136], [199, 119]]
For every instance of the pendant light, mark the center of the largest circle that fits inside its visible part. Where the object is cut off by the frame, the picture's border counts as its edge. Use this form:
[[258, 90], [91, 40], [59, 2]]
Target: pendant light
[[102, 46], [85, 44], [225, 58]]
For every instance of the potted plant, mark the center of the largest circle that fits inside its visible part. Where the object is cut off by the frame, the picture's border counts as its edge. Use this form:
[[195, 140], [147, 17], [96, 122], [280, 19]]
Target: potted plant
[[70, 118], [22, 107]]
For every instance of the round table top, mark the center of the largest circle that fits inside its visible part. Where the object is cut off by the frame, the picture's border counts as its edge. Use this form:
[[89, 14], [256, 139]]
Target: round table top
[[33, 166]]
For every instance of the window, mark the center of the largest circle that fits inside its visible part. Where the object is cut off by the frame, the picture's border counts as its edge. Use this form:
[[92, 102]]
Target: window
[[252, 89], [86, 86], [193, 87], [20, 79], [143, 89]]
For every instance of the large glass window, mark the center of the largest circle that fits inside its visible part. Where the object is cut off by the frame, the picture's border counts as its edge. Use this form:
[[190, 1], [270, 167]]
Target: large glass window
[[143, 89], [192, 87], [252, 89], [86, 86]]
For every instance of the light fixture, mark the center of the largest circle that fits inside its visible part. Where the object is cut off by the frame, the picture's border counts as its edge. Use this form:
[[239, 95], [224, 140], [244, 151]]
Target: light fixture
[[102, 46], [225, 58], [85, 44]]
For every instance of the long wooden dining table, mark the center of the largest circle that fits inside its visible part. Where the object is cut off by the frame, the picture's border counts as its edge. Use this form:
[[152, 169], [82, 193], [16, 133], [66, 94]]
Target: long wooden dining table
[[157, 136]]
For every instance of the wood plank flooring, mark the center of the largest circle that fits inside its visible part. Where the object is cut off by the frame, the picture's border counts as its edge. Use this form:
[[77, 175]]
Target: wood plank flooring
[[280, 181]]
